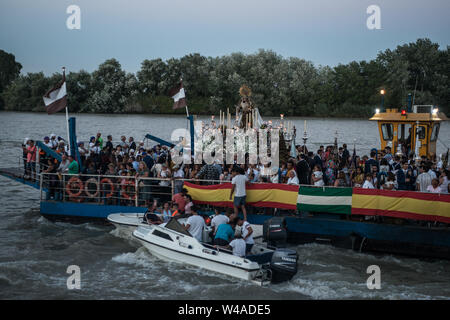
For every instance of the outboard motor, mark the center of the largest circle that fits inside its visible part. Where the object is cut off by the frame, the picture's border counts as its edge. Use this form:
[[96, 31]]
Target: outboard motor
[[283, 265], [274, 231]]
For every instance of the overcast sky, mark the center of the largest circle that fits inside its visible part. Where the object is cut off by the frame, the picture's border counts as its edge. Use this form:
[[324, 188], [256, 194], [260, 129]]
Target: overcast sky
[[326, 32]]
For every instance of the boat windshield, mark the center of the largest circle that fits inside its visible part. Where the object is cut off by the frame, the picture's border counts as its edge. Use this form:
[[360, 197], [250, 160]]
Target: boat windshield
[[174, 225]]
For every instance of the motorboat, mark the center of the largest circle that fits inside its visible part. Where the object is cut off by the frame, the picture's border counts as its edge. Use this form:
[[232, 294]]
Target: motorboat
[[171, 242]]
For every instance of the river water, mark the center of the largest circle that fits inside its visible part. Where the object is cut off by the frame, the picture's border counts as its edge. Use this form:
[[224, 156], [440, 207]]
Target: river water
[[35, 253]]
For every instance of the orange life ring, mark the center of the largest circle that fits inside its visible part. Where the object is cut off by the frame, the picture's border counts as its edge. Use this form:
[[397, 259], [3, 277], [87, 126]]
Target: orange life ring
[[74, 181], [124, 190], [108, 181], [86, 189]]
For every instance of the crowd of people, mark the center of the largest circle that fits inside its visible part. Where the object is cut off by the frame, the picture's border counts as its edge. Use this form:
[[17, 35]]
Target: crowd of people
[[327, 167], [380, 170]]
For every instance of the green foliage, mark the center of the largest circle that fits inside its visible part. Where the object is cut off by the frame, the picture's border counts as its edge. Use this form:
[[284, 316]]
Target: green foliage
[[292, 86], [9, 71]]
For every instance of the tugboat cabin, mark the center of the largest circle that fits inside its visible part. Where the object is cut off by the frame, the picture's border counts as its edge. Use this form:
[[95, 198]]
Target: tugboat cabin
[[402, 130]]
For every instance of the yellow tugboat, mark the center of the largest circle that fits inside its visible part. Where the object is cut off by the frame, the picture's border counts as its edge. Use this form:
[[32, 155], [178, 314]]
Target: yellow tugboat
[[414, 129]]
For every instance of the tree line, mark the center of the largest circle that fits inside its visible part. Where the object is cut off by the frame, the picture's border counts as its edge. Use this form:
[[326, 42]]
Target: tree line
[[292, 86]]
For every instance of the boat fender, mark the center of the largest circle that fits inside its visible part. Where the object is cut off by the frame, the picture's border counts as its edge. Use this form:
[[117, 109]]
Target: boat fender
[[124, 190], [74, 181], [111, 184], [88, 192]]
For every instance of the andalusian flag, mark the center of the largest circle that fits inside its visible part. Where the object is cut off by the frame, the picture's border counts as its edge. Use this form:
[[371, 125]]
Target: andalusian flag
[[323, 199]]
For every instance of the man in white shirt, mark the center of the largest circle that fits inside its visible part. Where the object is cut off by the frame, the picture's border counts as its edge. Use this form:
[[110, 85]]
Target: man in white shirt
[[218, 219], [238, 245], [239, 182], [423, 180], [53, 141], [247, 234], [64, 164], [195, 225], [178, 175], [432, 173], [123, 143]]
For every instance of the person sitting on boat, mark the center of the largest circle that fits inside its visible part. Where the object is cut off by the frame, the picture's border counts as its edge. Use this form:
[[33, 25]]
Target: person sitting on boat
[[150, 217], [238, 245], [195, 224], [247, 233], [218, 219], [166, 213], [224, 234], [174, 210]]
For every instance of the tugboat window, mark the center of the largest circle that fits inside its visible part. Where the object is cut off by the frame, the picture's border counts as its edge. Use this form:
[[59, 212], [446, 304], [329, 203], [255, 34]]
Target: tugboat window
[[421, 131], [435, 132], [162, 235], [386, 129]]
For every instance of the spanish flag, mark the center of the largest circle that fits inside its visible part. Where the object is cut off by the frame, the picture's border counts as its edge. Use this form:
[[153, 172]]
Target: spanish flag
[[271, 195], [401, 204]]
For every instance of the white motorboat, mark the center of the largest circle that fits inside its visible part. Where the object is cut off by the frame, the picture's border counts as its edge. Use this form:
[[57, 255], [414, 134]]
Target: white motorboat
[[171, 242], [127, 222]]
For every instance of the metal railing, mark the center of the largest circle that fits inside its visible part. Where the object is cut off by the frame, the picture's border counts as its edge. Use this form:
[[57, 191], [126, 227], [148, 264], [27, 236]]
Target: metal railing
[[105, 189]]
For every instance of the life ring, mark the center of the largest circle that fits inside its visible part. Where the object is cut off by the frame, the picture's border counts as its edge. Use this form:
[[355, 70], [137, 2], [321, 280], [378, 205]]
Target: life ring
[[111, 184], [88, 192], [124, 190], [74, 181]]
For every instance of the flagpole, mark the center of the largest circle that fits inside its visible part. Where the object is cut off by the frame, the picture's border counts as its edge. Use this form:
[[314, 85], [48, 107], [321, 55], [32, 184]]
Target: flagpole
[[67, 116]]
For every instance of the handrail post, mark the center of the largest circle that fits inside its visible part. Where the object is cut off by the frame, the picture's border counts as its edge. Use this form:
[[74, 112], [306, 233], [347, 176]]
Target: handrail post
[[40, 183], [136, 186], [100, 193]]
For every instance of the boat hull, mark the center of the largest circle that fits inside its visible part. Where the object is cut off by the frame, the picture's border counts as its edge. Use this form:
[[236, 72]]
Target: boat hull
[[172, 252]]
